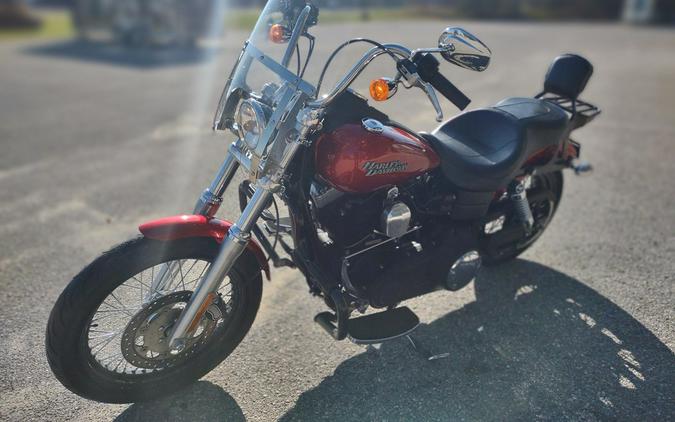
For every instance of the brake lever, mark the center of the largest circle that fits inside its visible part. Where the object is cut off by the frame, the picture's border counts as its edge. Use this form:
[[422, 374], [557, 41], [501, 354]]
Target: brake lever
[[408, 70], [431, 93]]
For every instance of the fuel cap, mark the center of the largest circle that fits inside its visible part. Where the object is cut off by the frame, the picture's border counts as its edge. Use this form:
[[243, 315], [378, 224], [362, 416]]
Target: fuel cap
[[372, 125]]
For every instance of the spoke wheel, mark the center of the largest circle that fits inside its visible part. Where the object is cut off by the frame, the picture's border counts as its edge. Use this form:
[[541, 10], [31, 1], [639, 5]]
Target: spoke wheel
[[124, 333], [108, 334]]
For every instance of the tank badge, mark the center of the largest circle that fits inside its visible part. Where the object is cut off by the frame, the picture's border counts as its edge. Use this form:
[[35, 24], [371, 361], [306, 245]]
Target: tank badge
[[373, 168]]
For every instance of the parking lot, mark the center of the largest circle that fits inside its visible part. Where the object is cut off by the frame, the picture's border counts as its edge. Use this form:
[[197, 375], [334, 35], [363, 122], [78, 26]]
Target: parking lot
[[95, 141]]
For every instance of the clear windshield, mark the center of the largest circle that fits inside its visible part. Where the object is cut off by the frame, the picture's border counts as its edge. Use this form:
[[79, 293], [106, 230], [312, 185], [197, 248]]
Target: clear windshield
[[269, 57], [274, 27]]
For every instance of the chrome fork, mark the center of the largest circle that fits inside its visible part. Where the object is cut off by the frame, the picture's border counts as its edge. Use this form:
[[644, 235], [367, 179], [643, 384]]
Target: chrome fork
[[240, 233], [233, 246]]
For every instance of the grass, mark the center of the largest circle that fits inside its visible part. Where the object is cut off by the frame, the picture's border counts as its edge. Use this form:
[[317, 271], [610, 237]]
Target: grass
[[55, 25]]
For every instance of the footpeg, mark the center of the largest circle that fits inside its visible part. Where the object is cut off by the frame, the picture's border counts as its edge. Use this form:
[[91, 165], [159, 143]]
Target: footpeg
[[383, 326]]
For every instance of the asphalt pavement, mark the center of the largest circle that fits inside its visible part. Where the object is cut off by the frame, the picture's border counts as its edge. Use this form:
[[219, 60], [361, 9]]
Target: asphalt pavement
[[94, 141]]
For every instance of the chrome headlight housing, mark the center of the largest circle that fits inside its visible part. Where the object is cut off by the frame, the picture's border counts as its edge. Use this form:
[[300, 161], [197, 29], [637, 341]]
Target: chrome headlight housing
[[251, 122]]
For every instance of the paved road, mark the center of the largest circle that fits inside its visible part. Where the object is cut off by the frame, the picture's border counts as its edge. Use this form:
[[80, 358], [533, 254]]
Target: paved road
[[96, 141]]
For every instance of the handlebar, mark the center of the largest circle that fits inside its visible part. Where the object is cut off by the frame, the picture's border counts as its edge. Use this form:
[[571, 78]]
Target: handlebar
[[420, 68], [356, 70]]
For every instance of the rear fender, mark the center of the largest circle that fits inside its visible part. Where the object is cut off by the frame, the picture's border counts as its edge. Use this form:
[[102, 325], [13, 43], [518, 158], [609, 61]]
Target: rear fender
[[185, 226]]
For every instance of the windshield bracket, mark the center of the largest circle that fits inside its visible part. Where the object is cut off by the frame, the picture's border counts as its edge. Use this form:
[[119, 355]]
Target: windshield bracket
[[277, 68]]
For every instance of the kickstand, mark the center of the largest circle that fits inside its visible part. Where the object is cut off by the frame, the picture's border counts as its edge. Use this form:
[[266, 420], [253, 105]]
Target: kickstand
[[426, 354]]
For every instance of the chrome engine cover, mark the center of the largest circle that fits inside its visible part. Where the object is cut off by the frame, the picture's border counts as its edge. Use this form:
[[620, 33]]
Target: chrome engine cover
[[396, 220]]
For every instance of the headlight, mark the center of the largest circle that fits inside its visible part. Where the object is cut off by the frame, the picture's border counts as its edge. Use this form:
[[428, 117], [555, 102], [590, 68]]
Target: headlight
[[251, 121]]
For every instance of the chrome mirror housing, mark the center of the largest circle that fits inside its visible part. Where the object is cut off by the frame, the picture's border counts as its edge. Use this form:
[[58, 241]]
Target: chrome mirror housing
[[463, 49]]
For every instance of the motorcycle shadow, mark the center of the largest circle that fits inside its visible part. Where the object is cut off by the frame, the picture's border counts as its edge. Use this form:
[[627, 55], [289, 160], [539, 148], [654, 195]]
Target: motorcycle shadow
[[119, 55], [535, 345], [202, 401]]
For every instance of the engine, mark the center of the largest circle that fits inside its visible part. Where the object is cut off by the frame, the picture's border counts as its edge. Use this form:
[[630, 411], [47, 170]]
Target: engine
[[395, 243], [351, 219], [382, 207]]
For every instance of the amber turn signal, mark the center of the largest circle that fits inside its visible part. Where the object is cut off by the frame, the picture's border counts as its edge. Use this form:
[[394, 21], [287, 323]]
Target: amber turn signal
[[379, 90], [278, 34]]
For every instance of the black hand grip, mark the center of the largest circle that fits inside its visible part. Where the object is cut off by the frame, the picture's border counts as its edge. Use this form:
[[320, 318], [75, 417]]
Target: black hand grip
[[449, 91], [428, 67]]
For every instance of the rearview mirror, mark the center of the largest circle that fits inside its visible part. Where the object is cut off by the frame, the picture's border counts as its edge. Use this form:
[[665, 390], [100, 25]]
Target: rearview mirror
[[464, 50]]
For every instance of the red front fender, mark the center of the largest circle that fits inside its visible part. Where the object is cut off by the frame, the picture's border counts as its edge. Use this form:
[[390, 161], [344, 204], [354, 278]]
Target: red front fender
[[184, 226]]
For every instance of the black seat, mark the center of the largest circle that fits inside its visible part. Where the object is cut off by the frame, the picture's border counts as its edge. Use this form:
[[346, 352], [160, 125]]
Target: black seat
[[482, 150]]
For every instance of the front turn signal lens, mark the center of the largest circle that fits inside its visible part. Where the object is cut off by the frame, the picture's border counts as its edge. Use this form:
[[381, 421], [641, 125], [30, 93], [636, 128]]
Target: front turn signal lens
[[379, 90], [278, 34]]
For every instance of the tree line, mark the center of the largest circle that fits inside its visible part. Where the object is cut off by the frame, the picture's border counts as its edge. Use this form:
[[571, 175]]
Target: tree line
[[486, 9], [480, 9]]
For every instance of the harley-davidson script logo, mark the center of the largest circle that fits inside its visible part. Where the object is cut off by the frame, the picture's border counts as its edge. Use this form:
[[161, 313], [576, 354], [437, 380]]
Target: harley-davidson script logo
[[373, 168]]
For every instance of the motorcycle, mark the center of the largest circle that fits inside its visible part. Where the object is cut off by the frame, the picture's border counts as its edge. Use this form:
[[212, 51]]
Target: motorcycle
[[378, 213]]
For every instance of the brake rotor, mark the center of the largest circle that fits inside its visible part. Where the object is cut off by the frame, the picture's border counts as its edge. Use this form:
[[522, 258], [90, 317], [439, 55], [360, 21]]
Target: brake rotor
[[145, 342]]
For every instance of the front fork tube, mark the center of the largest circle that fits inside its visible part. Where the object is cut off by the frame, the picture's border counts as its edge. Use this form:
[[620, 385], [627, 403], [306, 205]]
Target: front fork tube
[[207, 205], [233, 246], [211, 198], [240, 233]]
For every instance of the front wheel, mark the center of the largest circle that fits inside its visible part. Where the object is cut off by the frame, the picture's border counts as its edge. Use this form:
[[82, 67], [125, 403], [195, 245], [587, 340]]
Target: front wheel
[[107, 336]]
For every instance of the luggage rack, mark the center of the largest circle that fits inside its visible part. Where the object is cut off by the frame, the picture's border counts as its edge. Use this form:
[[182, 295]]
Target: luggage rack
[[581, 111]]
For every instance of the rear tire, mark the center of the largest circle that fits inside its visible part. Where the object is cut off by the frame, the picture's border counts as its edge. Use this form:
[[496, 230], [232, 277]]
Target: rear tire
[[68, 339], [552, 182]]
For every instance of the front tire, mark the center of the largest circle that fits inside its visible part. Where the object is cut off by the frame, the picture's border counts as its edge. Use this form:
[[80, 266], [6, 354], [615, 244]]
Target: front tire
[[76, 363]]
